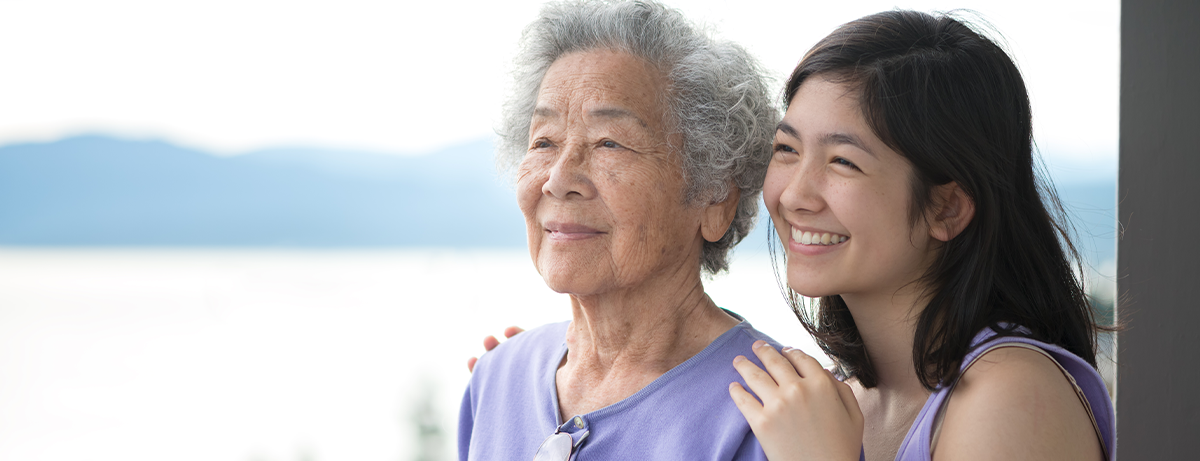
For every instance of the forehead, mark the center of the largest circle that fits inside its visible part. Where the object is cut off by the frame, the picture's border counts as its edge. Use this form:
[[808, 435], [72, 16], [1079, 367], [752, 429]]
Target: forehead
[[822, 102], [604, 77], [830, 114]]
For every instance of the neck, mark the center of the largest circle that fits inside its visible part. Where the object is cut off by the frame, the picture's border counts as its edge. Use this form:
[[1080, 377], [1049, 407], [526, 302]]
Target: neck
[[620, 342], [653, 327], [887, 323]]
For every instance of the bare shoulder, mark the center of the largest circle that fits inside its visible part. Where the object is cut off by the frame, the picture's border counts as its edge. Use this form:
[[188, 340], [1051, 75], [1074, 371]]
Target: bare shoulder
[[1015, 403]]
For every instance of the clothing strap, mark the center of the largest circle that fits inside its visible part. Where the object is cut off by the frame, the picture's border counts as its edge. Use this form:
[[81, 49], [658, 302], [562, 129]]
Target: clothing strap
[[937, 422]]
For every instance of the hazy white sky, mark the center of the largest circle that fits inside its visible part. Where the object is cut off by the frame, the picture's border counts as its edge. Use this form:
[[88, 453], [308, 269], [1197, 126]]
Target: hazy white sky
[[407, 77]]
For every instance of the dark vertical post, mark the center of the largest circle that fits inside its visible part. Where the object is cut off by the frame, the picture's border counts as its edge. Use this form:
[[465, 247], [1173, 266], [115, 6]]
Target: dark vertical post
[[1158, 249]]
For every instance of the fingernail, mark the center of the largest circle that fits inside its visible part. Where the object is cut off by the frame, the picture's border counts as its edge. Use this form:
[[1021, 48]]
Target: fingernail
[[739, 359], [764, 344], [788, 348]]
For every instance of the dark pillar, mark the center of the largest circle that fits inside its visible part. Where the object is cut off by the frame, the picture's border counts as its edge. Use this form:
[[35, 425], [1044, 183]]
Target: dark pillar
[[1158, 249]]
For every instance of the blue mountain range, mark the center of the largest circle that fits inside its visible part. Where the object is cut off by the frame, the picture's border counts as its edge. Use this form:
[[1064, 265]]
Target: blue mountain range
[[102, 191], [95, 190]]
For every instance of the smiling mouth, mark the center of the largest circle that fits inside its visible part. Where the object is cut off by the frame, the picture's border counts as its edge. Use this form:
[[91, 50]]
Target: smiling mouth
[[817, 238], [565, 231]]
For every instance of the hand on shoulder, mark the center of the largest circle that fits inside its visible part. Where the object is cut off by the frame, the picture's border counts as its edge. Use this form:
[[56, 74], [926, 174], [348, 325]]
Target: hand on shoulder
[[490, 342], [1015, 403], [802, 412]]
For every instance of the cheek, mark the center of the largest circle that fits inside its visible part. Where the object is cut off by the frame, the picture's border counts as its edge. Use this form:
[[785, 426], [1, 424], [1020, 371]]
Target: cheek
[[645, 203], [531, 176], [776, 181], [632, 188], [878, 217], [887, 208], [859, 210]]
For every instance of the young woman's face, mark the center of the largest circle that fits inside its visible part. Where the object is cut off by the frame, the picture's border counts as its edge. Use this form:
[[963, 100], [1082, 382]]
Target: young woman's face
[[839, 198]]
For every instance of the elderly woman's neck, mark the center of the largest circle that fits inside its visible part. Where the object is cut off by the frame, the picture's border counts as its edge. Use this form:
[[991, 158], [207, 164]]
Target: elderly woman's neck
[[658, 328], [617, 346]]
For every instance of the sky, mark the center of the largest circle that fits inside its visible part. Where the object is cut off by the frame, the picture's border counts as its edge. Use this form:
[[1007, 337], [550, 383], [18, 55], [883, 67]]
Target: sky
[[410, 77]]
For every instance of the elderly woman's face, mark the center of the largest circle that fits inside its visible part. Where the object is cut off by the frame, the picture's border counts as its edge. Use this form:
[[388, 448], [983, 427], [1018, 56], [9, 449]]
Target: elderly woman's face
[[602, 184]]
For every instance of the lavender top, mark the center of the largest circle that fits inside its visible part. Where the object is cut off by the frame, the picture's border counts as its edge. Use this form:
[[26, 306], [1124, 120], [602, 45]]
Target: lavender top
[[511, 405], [916, 444]]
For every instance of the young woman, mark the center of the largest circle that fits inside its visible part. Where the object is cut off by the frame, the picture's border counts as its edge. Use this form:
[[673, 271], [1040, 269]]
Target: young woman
[[903, 188]]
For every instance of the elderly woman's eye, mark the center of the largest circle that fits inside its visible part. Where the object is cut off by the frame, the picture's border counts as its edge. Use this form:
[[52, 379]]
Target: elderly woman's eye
[[541, 144], [610, 144]]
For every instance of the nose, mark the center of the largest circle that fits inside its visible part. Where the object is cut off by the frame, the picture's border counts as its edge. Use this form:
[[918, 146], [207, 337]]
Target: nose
[[570, 175], [804, 189]]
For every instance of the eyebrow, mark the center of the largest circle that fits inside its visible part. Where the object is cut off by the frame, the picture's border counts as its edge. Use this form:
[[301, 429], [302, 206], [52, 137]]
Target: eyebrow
[[784, 127], [616, 113], [603, 112], [829, 139], [834, 139]]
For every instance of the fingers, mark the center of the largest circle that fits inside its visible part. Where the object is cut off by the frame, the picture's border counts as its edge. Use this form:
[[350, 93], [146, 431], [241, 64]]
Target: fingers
[[490, 343], [804, 364], [512, 331], [745, 402], [759, 381], [777, 365], [848, 400]]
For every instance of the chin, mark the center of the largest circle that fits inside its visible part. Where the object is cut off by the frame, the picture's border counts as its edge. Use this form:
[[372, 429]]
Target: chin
[[814, 293], [812, 285], [567, 286], [566, 277]]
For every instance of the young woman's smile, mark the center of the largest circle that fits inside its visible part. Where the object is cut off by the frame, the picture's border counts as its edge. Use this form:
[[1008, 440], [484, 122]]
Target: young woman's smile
[[811, 242]]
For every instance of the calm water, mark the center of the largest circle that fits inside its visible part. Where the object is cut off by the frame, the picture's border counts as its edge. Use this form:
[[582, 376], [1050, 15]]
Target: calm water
[[264, 355], [268, 355]]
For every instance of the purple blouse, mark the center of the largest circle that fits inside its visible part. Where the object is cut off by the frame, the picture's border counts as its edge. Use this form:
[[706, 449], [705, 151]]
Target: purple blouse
[[511, 406]]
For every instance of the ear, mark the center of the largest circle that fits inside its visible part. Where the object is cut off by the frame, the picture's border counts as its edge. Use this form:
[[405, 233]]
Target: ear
[[718, 216], [952, 210]]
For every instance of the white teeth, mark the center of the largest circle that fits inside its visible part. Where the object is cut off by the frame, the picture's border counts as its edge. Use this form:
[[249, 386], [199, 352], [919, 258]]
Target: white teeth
[[810, 238]]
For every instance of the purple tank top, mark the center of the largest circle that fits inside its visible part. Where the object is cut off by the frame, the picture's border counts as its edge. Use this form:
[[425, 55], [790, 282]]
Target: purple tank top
[[916, 445]]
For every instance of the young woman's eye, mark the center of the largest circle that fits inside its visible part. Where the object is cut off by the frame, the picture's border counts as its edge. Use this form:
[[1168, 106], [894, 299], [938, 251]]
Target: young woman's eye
[[842, 161]]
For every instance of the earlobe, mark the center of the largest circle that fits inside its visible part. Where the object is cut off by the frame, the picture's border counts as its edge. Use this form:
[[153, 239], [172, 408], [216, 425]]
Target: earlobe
[[952, 212], [718, 216]]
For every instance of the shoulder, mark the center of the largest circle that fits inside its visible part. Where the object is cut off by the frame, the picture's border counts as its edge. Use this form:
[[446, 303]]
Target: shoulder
[[532, 347], [550, 334], [744, 335], [1016, 403]]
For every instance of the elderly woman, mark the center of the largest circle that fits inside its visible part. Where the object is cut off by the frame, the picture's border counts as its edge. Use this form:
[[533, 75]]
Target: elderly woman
[[639, 146]]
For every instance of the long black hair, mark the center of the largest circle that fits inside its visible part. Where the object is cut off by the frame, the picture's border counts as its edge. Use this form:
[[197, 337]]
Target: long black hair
[[953, 103]]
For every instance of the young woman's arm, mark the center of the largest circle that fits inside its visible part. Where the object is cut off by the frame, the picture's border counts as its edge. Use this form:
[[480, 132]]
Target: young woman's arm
[[805, 413], [1015, 403]]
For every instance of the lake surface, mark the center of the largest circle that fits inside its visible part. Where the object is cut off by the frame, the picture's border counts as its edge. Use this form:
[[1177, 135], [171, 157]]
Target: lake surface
[[264, 355]]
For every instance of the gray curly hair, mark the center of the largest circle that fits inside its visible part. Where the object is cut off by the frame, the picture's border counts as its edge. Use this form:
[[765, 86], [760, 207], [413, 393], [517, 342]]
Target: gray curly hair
[[717, 98]]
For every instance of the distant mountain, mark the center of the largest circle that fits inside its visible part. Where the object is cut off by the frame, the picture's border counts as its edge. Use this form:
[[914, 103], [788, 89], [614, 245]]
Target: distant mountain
[[95, 190]]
